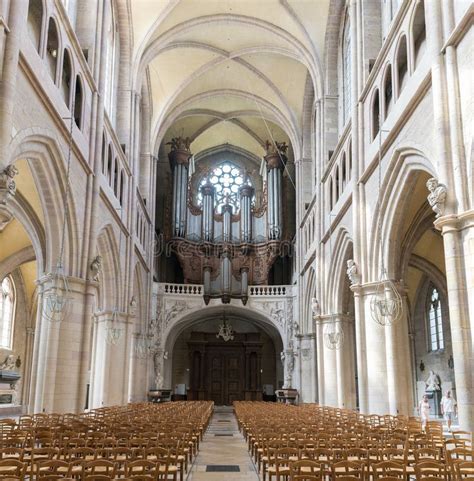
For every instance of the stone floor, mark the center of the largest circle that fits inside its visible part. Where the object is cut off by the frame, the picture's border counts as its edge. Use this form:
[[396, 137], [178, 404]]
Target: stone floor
[[223, 446]]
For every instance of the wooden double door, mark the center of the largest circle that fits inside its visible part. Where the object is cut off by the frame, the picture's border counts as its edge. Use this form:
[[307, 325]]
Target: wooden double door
[[224, 372], [225, 376]]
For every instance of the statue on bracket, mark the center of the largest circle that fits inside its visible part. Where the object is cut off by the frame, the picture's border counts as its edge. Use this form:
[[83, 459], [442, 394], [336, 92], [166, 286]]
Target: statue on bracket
[[437, 196], [6, 180], [353, 272], [274, 147], [180, 143], [96, 268], [433, 383]]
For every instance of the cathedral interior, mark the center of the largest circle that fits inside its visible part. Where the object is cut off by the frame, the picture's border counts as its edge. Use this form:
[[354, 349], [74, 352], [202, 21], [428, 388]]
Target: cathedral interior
[[231, 210]]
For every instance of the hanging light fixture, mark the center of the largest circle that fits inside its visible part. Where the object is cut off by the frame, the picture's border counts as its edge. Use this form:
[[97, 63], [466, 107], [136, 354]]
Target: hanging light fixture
[[114, 331], [225, 331], [386, 304], [333, 334], [56, 298]]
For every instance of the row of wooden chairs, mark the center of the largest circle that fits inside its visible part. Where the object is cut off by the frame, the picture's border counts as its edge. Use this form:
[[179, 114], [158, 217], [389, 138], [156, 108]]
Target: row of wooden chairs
[[279, 435], [162, 439]]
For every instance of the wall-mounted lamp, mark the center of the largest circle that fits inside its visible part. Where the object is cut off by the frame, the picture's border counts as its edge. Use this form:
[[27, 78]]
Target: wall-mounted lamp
[[422, 366]]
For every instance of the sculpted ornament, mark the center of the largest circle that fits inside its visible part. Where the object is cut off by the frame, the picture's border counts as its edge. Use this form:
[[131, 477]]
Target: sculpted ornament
[[7, 183], [9, 363], [433, 383], [353, 272], [437, 196], [96, 268]]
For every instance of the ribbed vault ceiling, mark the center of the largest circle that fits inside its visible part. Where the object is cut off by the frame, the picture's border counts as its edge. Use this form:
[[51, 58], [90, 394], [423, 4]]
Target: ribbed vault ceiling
[[228, 71]]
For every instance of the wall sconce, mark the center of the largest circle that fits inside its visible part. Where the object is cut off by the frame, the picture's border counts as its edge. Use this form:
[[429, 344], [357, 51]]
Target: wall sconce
[[451, 362], [422, 366]]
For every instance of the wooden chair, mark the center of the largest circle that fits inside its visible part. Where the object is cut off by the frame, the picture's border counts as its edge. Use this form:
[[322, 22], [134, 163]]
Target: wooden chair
[[392, 469], [51, 467], [430, 468], [98, 467], [465, 471], [306, 467], [12, 469], [141, 467], [348, 471]]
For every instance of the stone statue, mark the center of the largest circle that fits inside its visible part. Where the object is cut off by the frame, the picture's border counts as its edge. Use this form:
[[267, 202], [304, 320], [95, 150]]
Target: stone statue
[[6, 179], [9, 364], [282, 357], [437, 196], [180, 143], [315, 307], [433, 382], [353, 272], [133, 305], [96, 268], [276, 147]]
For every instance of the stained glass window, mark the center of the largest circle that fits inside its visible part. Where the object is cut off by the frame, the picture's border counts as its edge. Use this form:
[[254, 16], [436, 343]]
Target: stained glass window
[[7, 312], [435, 320], [226, 178]]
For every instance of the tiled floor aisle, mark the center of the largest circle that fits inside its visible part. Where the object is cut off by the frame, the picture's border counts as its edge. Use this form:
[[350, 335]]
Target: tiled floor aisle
[[218, 451]]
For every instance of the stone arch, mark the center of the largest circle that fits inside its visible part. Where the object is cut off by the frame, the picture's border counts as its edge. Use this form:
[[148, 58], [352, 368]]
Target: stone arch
[[397, 181], [337, 271], [310, 293], [47, 162], [110, 280]]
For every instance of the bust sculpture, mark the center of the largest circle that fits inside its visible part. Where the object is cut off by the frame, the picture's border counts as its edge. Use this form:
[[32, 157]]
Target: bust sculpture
[[96, 268], [433, 382], [437, 196], [9, 364], [352, 272]]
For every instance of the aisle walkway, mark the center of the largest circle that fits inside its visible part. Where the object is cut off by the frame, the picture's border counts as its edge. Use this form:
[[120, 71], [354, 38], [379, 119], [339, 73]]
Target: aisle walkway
[[223, 454]]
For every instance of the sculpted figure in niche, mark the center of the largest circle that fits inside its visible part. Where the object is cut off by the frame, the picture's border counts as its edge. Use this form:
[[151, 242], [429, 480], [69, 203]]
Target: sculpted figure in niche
[[96, 268], [9, 364], [352, 272], [437, 196], [433, 383], [6, 179]]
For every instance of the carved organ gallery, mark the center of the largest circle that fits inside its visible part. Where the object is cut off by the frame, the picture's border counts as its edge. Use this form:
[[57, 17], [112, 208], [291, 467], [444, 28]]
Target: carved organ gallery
[[226, 227]]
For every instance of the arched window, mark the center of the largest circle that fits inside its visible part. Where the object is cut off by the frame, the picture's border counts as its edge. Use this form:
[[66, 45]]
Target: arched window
[[336, 178], [388, 91], [344, 171], [419, 32], [349, 158], [78, 101], [375, 115], [330, 193], [122, 185], [52, 46], [346, 71], [109, 166], [110, 62], [35, 21], [66, 77], [402, 64], [434, 320], [116, 178], [226, 179], [7, 312], [104, 154]]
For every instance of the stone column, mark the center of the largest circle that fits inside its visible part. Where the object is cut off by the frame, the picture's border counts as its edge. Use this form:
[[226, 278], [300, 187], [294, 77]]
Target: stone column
[[10, 53], [308, 365], [179, 159], [59, 348], [458, 236]]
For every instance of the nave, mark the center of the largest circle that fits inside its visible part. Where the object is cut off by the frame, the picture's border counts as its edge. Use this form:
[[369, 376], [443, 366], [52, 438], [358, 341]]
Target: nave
[[251, 441]]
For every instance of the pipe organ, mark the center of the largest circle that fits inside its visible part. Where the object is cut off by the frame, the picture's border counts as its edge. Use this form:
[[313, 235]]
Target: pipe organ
[[221, 238]]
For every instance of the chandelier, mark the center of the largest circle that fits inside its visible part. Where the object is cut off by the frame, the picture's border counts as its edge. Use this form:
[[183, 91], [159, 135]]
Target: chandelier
[[57, 295], [225, 331], [386, 304], [333, 335], [113, 330]]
